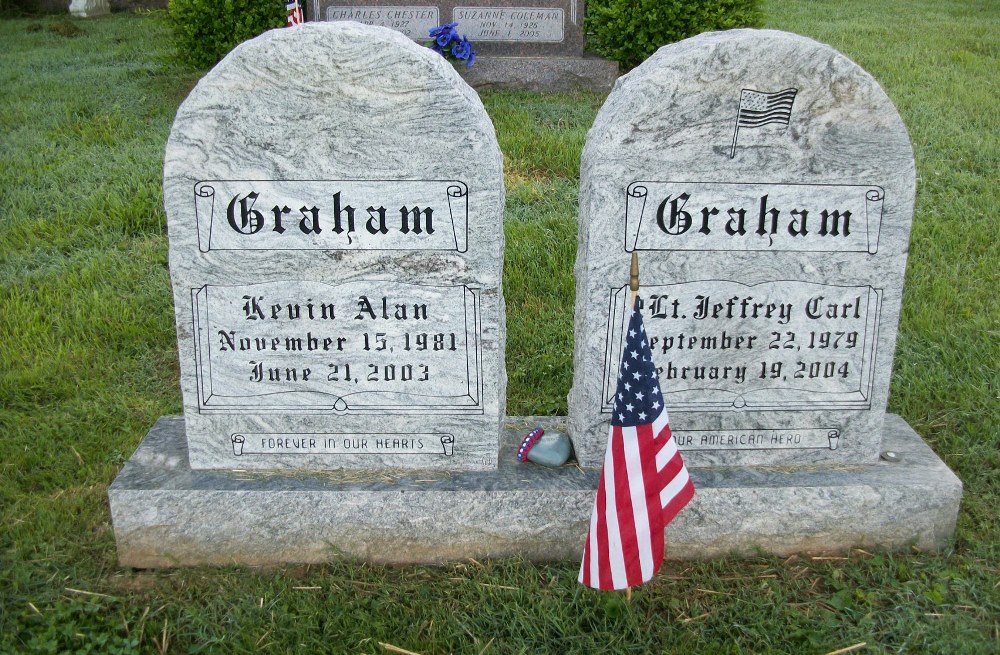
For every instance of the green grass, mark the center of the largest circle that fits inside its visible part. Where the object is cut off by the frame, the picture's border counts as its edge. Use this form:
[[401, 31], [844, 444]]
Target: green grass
[[88, 361]]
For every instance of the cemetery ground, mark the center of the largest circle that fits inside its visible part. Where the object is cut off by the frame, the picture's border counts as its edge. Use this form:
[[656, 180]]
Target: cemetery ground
[[88, 362]]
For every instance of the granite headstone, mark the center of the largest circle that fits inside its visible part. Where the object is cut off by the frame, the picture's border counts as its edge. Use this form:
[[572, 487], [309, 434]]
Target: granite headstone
[[498, 28], [335, 222], [535, 45], [767, 183]]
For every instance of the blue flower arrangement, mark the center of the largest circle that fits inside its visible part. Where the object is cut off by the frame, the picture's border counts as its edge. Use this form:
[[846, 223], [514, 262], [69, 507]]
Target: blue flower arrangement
[[450, 45]]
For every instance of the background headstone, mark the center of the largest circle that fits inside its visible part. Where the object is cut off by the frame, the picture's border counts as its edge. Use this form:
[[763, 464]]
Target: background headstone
[[334, 198], [496, 27], [767, 183], [536, 45], [89, 8]]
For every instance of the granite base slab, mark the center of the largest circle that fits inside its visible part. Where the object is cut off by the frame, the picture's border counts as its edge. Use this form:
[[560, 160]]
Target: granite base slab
[[543, 74], [166, 514]]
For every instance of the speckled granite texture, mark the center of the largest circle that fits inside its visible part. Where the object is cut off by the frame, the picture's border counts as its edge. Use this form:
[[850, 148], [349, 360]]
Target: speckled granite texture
[[165, 514]]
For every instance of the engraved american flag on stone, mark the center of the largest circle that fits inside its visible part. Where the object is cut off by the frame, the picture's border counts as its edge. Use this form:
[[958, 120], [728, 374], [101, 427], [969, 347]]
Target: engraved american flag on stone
[[758, 108], [644, 482]]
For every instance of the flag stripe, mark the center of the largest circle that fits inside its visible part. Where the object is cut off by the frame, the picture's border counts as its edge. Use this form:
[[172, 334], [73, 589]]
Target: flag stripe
[[666, 453], [677, 503], [773, 117], [653, 514], [672, 462], [779, 121], [776, 112], [615, 556], [674, 487], [780, 98], [762, 119], [634, 449], [661, 423], [585, 566], [593, 573], [603, 561], [624, 449]]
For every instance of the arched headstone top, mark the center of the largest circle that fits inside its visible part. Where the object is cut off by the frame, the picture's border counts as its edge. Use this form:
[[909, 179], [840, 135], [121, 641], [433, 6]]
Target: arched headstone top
[[330, 99], [680, 108]]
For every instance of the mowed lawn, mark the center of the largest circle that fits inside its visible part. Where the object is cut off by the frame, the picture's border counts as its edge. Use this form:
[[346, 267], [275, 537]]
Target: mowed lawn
[[88, 362]]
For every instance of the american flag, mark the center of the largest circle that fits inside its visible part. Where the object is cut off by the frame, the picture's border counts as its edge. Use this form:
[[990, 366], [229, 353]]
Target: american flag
[[644, 483], [758, 108], [294, 13]]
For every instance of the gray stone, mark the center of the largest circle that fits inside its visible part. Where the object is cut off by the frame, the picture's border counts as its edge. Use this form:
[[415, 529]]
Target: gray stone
[[335, 220], [774, 337], [166, 514], [552, 449], [89, 8], [496, 27]]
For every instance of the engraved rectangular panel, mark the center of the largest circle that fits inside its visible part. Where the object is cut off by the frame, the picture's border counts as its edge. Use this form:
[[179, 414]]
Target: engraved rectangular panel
[[783, 345], [758, 439], [412, 21], [529, 24], [533, 28], [308, 347], [337, 443]]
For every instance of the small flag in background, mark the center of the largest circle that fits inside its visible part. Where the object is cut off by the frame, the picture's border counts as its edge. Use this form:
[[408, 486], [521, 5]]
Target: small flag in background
[[294, 13], [644, 483], [758, 108]]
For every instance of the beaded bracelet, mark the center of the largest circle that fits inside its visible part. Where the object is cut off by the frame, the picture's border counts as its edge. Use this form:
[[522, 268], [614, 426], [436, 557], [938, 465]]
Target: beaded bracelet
[[528, 442]]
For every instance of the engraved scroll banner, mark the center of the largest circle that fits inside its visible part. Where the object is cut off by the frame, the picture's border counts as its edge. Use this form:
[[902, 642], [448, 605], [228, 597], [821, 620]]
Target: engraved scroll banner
[[359, 347], [783, 345], [759, 439], [735, 216], [382, 443], [332, 215]]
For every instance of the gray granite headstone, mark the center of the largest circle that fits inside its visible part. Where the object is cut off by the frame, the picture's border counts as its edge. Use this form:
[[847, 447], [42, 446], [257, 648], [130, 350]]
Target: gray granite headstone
[[334, 197], [767, 184], [535, 45], [495, 27]]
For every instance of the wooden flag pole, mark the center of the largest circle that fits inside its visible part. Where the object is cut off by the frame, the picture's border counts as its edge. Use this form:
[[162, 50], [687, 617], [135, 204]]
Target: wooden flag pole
[[633, 285], [633, 276]]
